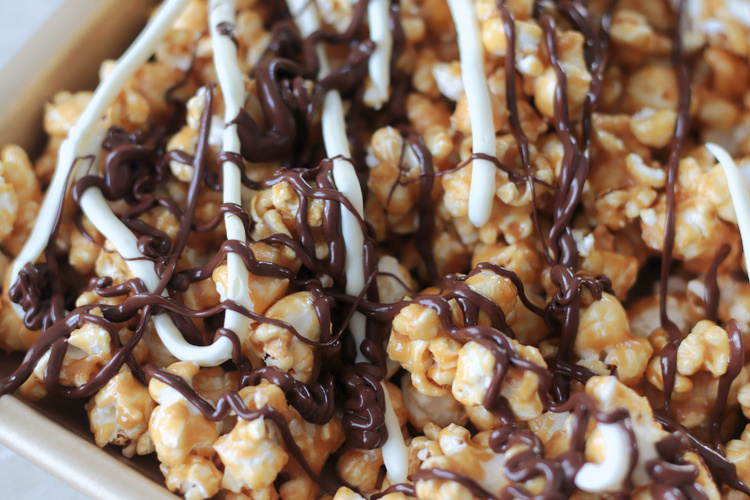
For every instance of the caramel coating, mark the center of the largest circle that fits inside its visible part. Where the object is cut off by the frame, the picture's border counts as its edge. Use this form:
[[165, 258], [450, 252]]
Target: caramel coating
[[413, 156]]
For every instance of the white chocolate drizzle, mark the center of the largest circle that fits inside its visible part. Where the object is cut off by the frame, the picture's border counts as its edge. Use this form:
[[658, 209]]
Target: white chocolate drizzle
[[379, 64], [233, 89], [395, 451], [95, 206], [482, 189], [85, 137], [344, 175], [738, 190], [336, 143], [610, 474]]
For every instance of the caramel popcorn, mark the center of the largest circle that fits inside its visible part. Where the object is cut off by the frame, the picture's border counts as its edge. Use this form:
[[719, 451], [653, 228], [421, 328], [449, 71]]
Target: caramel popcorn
[[196, 478], [439, 249], [119, 414], [604, 338], [461, 452], [176, 428], [475, 371], [18, 175], [282, 349]]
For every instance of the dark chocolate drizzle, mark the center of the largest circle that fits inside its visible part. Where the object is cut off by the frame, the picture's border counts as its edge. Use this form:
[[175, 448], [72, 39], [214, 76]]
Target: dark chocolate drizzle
[[231, 401], [669, 351], [711, 286], [734, 365], [426, 229], [227, 29], [137, 163], [522, 142]]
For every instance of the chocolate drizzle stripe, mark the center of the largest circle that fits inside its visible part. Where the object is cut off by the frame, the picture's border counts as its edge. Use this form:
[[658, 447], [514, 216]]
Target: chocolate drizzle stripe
[[141, 49], [353, 374], [719, 466], [522, 142], [231, 401], [734, 366], [669, 351], [711, 286], [227, 29]]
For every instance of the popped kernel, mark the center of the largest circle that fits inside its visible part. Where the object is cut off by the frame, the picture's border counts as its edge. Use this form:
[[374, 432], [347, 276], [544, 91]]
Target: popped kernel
[[653, 86], [18, 174], [196, 478], [250, 456], [360, 468], [699, 231], [631, 29], [254, 452], [474, 372], [421, 409], [604, 337], [432, 291], [278, 346], [422, 347], [460, 452], [119, 414], [570, 54], [63, 111], [705, 348], [177, 429]]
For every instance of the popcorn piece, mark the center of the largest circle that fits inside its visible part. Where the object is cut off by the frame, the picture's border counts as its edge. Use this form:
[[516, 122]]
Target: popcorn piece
[[476, 368], [461, 453], [20, 180], [392, 178], [611, 472], [278, 346], [345, 493], [8, 208], [699, 232], [264, 290], [251, 456], [119, 414], [254, 454], [63, 112], [570, 54], [83, 251], [631, 29], [14, 336], [705, 348], [610, 394], [423, 348], [186, 139], [738, 452], [417, 343], [396, 284], [196, 478], [177, 429], [360, 468], [604, 336], [89, 350], [440, 410]]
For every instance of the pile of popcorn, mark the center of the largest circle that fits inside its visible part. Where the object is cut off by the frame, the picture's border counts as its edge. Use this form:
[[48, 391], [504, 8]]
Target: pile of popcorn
[[437, 372]]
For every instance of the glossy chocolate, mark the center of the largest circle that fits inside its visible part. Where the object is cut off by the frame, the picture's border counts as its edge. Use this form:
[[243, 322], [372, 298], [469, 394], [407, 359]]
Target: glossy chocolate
[[136, 163]]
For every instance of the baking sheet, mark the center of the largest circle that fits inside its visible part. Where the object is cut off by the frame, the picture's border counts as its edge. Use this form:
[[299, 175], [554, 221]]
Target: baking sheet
[[53, 45], [46, 46], [51, 435]]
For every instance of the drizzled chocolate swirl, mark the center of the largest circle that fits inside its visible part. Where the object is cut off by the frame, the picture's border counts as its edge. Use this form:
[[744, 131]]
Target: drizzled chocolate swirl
[[137, 163]]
